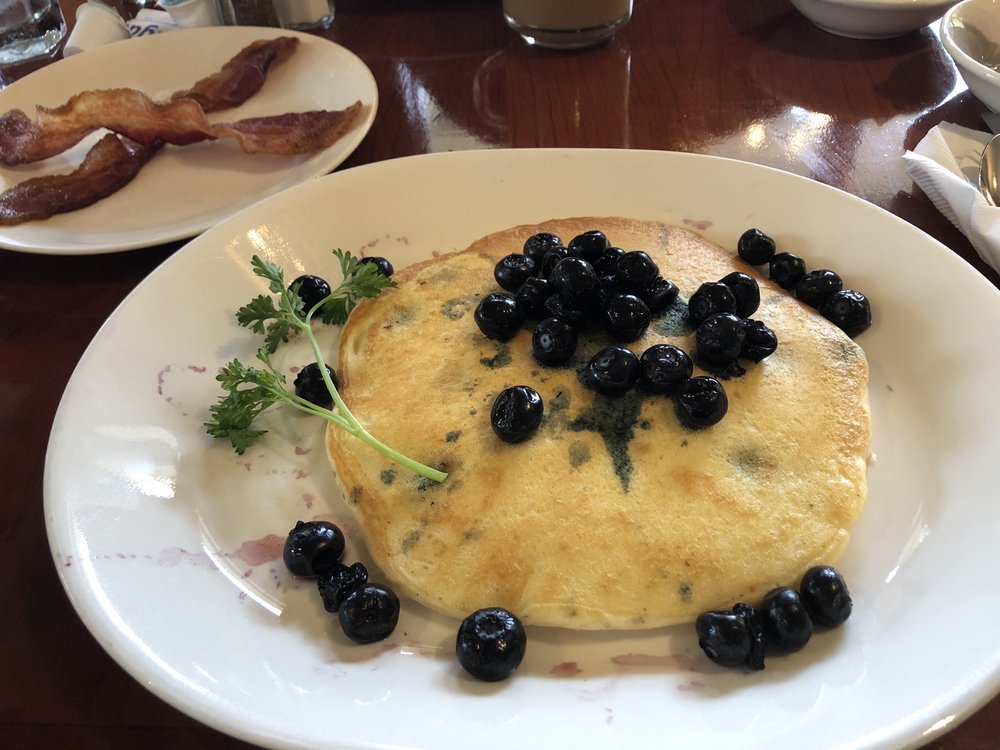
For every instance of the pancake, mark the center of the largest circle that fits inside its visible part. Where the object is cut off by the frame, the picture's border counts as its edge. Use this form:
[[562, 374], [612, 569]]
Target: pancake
[[612, 515]]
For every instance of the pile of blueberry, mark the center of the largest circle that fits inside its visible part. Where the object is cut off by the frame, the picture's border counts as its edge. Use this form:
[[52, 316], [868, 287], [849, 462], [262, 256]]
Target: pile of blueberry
[[368, 612], [490, 644], [786, 619], [566, 288], [824, 290]]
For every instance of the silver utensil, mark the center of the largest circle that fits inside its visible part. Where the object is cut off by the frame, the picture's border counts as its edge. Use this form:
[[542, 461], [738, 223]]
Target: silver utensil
[[989, 171]]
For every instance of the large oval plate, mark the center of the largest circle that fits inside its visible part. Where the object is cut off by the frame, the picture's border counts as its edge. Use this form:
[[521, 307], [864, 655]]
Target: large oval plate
[[168, 542], [185, 190]]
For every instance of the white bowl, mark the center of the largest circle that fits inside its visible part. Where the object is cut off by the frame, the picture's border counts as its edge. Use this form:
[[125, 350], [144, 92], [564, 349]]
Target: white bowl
[[872, 19], [970, 33]]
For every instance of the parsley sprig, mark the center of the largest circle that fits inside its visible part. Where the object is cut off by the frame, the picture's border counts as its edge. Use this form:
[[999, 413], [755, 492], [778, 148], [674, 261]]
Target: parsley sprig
[[251, 390]]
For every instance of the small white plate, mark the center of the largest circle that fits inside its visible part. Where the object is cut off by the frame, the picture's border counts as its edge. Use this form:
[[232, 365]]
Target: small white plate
[[168, 542], [185, 190]]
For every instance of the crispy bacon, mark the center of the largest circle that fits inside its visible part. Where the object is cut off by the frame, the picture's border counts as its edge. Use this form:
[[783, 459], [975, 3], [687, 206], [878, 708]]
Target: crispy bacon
[[291, 133], [134, 115], [108, 166], [141, 126], [124, 111], [115, 160], [241, 77]]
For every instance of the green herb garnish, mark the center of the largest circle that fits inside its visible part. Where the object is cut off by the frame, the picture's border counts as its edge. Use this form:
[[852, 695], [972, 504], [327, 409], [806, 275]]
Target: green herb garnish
[[251, 390]]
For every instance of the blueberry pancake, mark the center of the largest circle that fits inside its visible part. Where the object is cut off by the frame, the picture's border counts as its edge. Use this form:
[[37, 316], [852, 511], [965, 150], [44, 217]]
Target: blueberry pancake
[[613, 514]]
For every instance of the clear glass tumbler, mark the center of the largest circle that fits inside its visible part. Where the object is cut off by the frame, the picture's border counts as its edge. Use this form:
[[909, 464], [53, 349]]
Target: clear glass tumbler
[[29, 29], [566, 24]]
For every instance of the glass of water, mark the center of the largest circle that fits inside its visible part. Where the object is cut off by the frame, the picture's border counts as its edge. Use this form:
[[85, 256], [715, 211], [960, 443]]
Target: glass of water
[[29, 29]]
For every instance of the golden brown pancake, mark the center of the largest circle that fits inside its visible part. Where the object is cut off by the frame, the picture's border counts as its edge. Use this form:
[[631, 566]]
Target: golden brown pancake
[[612, 515]]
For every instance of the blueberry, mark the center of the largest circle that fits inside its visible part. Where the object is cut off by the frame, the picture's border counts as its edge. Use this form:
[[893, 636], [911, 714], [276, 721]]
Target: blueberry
[[611, 284], [590, 245], [719, 338], [746, 290], [700, 402], [608, 262], [309, 385], [499, 316], [537, 245], [755, 247], [710, 298], [576, 283], [659, 295], [755, 627], [550, 260], [311, 290], [637, 269], [626, 317], [335, 585], [369, 613], [786, 621], [613, 370], [662, 367], [848, 310], [724, 637], [816, 286], [786, 269], [531, 296], [382, 265], [553, 341], [554, 307], [516, 414], [313, 548], [490, 644], [759, 341], [513, 270], [825, 596]]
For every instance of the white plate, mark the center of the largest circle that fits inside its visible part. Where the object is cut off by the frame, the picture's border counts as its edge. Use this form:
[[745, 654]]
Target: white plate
[[185, 190], [162, 535]]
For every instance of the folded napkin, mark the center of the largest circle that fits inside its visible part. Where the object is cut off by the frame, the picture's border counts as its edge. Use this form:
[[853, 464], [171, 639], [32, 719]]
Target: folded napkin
[[945, 164], [97, 24]]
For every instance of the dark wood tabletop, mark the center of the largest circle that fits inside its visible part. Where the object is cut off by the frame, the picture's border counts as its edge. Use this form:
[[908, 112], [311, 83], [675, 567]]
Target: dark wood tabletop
[[736, 78]]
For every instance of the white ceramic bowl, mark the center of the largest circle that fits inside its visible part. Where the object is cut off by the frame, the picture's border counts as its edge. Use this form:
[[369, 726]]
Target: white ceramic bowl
[[970, 33], [872, 19]]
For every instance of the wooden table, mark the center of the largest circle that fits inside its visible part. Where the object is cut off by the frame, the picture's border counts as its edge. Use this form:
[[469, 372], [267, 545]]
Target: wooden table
[[738, 79]]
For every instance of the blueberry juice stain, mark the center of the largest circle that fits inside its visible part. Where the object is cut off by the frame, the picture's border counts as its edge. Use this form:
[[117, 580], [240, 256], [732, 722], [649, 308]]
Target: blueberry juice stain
[[673, 321], [615, 420], [501, 358]]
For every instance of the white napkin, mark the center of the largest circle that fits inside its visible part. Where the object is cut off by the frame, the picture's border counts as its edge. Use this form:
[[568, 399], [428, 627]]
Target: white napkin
[[97, 24], [945, 164]]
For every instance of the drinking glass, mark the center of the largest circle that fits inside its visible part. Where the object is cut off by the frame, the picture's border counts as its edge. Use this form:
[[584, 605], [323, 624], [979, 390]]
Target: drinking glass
[[566, 24], [29, 29]]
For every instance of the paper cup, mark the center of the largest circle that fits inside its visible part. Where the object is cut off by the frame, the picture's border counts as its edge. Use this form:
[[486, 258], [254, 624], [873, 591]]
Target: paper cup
[[96, 24]]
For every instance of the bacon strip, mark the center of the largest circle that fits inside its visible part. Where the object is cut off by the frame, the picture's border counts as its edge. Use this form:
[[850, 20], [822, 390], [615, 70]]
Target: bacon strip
[[241, 77], [291, 133], [133, 114], [108, 166], [124, 111]]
